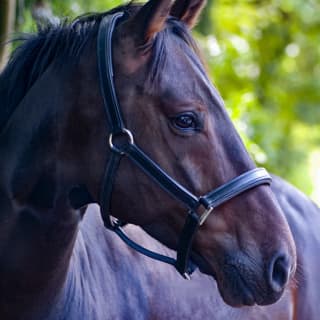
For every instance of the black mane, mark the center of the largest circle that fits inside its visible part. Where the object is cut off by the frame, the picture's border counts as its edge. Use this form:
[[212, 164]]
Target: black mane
[[62, 44], [59, 44]]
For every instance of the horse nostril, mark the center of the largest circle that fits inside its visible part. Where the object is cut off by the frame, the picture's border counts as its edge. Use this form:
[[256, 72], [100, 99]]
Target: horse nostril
[[279, 272]]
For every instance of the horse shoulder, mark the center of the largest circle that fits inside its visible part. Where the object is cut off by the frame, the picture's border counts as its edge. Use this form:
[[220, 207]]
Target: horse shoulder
[[106, 279]]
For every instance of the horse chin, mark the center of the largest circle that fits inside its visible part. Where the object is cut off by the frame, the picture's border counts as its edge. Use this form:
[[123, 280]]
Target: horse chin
[[234, 287], [241, 294]]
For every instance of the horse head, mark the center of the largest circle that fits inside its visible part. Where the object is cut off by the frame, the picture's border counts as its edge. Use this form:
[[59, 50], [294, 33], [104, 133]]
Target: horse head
[[178, 118]]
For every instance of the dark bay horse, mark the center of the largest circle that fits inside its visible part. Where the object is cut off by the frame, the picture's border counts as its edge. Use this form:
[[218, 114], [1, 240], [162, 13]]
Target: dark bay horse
[[58, 261]]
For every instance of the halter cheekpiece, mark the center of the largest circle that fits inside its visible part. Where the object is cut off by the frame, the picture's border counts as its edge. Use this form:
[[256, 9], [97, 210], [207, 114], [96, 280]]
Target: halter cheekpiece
[[128, 148]]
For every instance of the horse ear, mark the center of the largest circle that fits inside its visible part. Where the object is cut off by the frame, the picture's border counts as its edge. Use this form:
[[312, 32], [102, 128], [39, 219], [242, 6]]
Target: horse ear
[[150, 19], [188, 11]]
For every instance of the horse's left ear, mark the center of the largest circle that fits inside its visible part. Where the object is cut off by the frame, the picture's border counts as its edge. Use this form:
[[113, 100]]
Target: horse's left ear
[[188, 11], [150, 20]]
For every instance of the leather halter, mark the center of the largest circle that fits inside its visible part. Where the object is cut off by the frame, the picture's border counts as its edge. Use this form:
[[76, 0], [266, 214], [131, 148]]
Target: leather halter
[[193, 203]]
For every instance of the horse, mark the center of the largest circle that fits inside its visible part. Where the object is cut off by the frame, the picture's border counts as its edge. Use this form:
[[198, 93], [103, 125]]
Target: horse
[[134, 74]]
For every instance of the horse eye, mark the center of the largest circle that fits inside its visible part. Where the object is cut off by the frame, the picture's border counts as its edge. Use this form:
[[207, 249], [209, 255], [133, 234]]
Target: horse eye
[[186, 121]]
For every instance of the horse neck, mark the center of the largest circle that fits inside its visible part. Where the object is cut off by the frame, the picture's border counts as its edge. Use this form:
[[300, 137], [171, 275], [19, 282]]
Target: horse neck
[[38, 227]]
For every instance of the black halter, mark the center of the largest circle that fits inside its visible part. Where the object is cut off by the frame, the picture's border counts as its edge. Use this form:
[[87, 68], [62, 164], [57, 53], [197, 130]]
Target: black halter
[[208, 202]]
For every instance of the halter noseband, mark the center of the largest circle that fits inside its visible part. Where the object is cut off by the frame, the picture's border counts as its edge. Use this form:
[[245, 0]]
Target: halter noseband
[[211, 200]]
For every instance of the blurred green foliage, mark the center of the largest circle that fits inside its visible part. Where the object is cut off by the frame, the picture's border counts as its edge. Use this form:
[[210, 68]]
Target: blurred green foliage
[[263, 55]]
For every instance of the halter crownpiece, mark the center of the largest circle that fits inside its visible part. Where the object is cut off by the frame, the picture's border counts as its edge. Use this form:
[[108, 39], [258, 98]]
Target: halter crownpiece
[[209, 202]]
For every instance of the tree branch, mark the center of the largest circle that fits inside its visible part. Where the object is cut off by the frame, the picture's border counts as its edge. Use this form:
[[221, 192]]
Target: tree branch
[[7, 17]]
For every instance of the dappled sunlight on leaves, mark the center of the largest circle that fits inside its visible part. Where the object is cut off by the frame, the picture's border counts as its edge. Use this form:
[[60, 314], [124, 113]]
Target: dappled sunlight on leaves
[[270, 53]]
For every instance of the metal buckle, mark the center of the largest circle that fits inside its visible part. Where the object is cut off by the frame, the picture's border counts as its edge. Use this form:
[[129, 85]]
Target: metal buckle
[[186, 276], [124, 132], [114, 222], [205, 215]]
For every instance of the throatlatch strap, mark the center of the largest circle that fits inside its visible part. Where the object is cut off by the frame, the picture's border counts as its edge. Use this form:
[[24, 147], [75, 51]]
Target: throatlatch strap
[[151, 254]]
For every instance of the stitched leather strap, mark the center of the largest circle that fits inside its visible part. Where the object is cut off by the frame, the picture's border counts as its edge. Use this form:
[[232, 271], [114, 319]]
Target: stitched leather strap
[[168, 184], [235, 187]]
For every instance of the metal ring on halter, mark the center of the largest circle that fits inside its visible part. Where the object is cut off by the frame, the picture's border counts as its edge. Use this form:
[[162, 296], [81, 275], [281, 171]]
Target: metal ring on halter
[[125, 132]]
